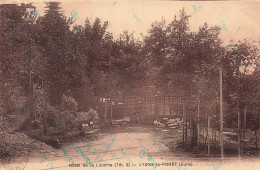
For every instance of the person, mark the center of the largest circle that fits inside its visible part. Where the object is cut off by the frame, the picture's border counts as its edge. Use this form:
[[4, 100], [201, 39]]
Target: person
[[136, 117], [142, 116], [137, 114]]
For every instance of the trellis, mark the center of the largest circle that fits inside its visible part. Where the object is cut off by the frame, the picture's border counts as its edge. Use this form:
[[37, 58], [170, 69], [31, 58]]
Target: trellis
[[155, 104]]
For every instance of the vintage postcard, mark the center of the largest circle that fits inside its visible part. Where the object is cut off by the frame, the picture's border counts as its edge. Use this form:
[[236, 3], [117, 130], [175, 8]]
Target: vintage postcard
[[127, 84]]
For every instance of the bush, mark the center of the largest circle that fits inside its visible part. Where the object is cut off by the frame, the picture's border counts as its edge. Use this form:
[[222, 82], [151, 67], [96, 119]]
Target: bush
[[4, 151], [86, 117], [68, 113], [69, 104], [55, 143]]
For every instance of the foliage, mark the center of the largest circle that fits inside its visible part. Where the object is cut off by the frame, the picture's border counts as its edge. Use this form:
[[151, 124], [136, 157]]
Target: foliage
[[68, 111], [84, 117], [67, 68], [69, 104]]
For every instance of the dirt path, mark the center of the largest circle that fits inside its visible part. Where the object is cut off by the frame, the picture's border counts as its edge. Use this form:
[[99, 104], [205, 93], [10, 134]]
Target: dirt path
[[134, 146], [130, 149]]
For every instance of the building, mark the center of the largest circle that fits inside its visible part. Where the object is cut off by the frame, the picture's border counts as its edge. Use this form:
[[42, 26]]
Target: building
[[148, 104]]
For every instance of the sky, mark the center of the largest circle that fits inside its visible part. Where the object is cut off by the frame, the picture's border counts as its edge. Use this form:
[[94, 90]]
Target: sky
[[238, 19]]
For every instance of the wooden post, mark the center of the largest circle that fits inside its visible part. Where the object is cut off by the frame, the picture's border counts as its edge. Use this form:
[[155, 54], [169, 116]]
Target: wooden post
[[208, 136], [221, 114], [239, 118], [239, 131], [164, 104], [105, 110], [126, 101], [150, 104], [111, 112], [183, 117], [198, 124]]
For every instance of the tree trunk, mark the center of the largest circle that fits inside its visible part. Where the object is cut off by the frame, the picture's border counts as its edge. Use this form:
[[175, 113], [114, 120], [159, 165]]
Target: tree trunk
[[219, 138], [44, 124], [186, 130], [244, 132], [215, 135], [205, 136], [256, 140], [194, 134], [212, 132], [183, 117], [194, 130], [31, 96]]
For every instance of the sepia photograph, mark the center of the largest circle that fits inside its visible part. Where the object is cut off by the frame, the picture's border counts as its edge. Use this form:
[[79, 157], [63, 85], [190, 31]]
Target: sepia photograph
[[129, 84]]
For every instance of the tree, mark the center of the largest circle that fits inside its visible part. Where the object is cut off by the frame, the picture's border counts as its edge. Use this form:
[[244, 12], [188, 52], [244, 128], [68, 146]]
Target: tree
[[238, 58], [55, 41], [186, 63], [20, 54], [129, 62]]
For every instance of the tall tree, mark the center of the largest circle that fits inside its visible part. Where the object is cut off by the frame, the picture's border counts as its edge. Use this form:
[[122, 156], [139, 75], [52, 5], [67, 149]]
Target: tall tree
[[55, 38], [20, 56]]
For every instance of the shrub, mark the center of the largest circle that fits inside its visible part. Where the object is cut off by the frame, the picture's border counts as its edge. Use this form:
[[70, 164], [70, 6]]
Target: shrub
[[68, 113], [86, 117], [69, 104]]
